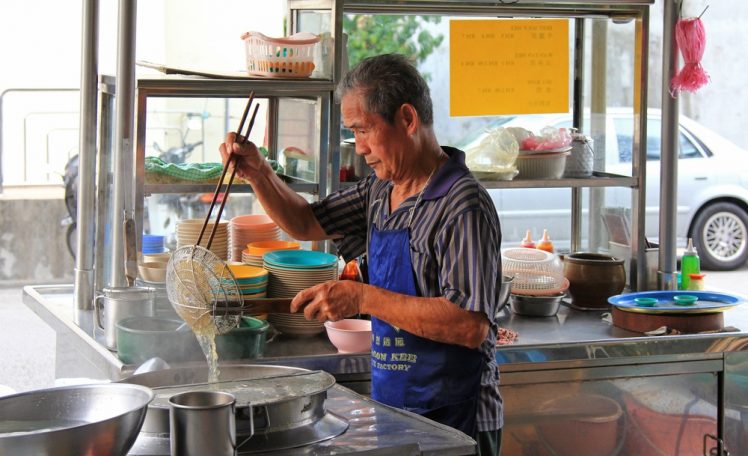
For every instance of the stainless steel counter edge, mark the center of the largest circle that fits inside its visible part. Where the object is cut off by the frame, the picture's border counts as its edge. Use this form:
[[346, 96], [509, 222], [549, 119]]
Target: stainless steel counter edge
[[60, 319], [578, 339]]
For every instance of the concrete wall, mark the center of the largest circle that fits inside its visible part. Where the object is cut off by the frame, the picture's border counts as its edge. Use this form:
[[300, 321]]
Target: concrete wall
[[32, 241]]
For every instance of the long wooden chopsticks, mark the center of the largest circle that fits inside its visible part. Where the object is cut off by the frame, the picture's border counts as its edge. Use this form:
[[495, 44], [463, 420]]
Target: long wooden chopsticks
[[229, 161]]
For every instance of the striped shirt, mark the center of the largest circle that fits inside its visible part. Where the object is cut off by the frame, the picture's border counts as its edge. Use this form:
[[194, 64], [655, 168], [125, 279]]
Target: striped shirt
[[455, 241]]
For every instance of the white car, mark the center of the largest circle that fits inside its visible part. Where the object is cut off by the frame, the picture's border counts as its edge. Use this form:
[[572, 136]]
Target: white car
[[712, 191]]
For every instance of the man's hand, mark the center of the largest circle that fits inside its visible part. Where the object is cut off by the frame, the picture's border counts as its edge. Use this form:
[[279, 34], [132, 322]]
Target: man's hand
[[333, 300], [247, 158]]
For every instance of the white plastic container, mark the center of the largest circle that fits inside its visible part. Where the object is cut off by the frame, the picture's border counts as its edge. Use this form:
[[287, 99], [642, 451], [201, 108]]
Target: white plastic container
[[542, 166]]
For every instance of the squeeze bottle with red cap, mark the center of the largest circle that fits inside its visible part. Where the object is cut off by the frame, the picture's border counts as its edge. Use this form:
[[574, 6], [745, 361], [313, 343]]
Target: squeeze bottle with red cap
[[527, 241]]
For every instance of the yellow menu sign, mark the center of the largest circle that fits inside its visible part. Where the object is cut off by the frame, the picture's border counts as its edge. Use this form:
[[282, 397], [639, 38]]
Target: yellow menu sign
[[509, 66]]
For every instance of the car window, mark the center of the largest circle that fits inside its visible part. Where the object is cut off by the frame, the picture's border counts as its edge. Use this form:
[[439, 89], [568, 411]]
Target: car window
[[624, 136], [687, 148]]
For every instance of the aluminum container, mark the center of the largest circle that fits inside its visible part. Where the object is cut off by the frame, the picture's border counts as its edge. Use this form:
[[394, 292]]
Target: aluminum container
[[535, 306]]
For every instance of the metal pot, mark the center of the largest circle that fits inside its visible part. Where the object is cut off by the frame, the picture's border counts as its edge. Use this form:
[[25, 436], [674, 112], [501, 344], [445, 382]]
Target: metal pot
[[593, 278], [118, 303], [505, 291], [535, 306], [73, 420], [284, 406]]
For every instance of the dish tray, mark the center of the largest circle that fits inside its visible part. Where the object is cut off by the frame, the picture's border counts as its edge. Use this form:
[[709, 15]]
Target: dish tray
[[708, 302]]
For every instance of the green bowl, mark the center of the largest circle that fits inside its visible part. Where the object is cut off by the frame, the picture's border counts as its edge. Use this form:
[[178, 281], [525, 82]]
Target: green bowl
[[245, 342], [645, 302], [142, 338], [685, 300]]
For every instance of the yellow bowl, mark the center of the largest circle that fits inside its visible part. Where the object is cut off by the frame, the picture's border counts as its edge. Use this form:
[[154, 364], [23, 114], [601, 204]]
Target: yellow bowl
[[260, 248], [245, 271]]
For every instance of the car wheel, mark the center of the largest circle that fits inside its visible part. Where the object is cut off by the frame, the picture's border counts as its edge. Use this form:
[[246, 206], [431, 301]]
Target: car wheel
[[720, 236]]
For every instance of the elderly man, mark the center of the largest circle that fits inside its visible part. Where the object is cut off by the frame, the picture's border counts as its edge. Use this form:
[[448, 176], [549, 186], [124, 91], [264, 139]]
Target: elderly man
[[431, 237]]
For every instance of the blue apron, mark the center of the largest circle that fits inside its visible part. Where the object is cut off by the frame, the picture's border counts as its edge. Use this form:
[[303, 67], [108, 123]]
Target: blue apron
[[437, 380]]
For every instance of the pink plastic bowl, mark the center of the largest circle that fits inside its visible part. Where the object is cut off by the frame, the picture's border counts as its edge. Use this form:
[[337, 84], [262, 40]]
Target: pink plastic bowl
[[350, 335]]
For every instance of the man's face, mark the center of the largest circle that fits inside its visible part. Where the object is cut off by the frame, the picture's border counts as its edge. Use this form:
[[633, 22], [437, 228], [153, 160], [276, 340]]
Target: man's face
[[383, 146]]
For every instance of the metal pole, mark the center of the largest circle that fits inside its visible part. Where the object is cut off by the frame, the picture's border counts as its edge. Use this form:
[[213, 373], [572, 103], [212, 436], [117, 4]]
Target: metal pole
[[84, 259], [598, 107], [123, 137], [669, 154], [578, 112]]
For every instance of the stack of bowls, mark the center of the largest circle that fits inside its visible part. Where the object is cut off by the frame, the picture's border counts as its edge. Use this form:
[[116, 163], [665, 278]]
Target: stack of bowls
[[250, 228], [292, 271], [251, 280], [189, 230], [255, 250], [549, 164], [153, 243], [152, 271]]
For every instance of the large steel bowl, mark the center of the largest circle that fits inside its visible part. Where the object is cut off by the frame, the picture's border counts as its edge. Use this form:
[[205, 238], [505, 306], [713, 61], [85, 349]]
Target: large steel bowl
[[73, 420]]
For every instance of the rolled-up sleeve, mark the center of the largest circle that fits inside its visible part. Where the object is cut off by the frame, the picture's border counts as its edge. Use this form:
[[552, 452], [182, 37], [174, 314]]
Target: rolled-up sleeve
[[343, 214], [470, 261]]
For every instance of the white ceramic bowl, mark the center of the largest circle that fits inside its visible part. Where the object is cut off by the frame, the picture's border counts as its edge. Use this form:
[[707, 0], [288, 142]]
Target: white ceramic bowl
[[542, 166], [153, 271], [162, 257], [350, 335]]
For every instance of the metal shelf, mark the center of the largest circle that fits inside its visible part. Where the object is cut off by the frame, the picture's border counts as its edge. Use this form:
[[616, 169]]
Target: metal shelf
[[598, 180], [189, 86], [152, 189], [619, 9]]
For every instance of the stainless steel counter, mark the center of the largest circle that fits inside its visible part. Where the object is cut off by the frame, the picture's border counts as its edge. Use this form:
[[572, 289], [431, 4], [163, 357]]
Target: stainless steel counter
[[571, 336], [373, 428], [574, 352]]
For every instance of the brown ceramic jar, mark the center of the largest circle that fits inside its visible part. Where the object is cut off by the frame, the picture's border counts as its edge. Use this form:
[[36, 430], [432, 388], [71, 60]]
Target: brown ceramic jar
[[593, 278]]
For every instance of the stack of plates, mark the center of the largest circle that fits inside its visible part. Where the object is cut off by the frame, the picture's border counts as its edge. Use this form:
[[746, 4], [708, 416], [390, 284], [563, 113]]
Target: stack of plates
[[251, 228], [189, 230], [292, 271], [255, 250], [251, 280]]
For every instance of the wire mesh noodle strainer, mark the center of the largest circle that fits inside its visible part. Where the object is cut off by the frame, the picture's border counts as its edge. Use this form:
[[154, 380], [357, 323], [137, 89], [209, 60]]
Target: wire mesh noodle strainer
[[535, 272], [197, 281]]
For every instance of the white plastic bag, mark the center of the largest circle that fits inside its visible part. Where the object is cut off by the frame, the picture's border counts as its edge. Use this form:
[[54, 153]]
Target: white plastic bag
[[495, 156]]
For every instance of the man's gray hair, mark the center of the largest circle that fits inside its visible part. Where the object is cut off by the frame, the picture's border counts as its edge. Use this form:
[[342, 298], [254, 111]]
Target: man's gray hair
[[388, 81]]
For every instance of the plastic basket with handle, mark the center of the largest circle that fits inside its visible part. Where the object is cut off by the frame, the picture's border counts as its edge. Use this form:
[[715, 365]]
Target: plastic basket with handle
[[290, 57]]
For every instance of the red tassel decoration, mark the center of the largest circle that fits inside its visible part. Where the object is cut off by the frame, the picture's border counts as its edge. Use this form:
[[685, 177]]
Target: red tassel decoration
[[691, 40]]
